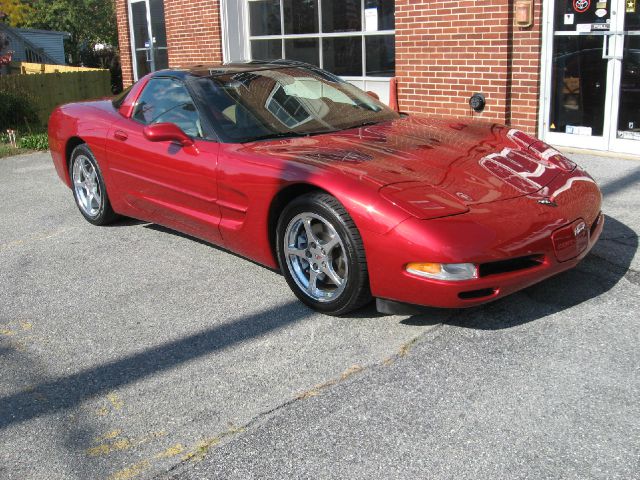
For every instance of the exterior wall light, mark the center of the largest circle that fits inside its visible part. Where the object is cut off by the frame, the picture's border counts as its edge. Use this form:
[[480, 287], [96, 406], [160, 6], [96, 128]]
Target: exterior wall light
[[523, 14]]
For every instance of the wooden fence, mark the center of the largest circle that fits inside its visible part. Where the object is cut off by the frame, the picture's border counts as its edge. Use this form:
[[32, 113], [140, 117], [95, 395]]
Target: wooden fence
[[48, 90], [32, 68]]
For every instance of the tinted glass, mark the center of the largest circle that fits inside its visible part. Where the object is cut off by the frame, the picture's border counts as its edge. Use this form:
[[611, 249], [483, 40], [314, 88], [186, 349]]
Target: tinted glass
[[632, 15], [156, 8], [304, 50], [266, 49], [385, 10], [381, 55], [285, 102], [629, 115], [341, 16], [139, 22], [300, 16], [343, 55], [119, 99], [144, 66], [264, 17], [161, 58], [571, 13], [167, 100], [578, 85]]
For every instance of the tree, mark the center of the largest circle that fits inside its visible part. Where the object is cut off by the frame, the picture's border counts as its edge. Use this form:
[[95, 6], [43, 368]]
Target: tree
[[15, 10], [89, 22], [5, 56]]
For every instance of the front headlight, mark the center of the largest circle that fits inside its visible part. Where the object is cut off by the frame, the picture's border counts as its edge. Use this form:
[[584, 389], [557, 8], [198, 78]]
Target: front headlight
[[444, 271]]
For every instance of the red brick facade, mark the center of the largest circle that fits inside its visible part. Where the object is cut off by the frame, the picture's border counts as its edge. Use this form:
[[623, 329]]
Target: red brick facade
[[448, 50], [193, 31], [445, 51]]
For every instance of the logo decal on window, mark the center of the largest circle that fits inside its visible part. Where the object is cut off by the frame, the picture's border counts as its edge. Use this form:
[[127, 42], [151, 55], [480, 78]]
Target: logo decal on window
[[581, 6]]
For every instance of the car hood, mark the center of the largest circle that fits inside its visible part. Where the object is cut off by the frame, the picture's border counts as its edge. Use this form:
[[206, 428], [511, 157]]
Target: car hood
[[467, 163]]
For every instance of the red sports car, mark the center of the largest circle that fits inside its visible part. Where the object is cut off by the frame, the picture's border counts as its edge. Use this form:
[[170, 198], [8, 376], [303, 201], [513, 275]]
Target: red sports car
[[296, 169]]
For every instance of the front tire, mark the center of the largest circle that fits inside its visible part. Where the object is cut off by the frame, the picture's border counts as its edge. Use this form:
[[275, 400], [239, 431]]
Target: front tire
[[88, 187], [321, 255]]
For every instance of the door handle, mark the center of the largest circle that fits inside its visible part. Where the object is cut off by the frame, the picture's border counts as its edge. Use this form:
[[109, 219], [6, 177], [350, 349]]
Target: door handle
[[605, 48], [120, 135]]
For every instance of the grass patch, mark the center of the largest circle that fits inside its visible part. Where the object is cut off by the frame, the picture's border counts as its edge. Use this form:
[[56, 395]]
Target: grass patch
[[26, 141], [7, 150]]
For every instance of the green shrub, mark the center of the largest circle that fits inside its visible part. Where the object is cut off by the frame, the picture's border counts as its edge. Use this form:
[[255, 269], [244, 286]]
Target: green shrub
[[34, 141], [17, 111]]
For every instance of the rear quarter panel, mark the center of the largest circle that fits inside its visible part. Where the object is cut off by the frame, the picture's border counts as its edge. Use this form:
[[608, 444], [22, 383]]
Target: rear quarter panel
[[89, 122]]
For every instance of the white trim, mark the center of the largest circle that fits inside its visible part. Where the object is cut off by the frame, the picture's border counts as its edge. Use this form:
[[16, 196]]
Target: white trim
[[355, 33], [224, 38], [545, 67], [132, 43]]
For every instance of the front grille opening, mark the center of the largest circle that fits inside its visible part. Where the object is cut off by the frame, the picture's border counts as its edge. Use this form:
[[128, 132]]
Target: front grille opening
[[511, 265], [471, 294]]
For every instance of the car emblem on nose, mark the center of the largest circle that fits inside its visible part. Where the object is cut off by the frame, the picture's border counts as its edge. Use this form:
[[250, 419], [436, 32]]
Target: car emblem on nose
[[548, 202], [579, 229]]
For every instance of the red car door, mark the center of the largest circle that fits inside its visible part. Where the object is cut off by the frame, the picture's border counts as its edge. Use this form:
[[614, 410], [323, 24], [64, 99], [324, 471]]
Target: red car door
[[164, 182]]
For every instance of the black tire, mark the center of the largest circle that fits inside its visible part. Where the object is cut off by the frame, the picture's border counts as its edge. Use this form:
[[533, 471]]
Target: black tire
[[356, 292], [104, 214]]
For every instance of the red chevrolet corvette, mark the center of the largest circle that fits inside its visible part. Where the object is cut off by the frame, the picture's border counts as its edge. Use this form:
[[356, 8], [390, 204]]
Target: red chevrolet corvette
[[292, 167]]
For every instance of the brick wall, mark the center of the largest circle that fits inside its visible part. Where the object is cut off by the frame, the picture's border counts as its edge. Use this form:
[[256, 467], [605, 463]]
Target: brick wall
[[448, 50], [122, 15], [526, 88], [193, 33]]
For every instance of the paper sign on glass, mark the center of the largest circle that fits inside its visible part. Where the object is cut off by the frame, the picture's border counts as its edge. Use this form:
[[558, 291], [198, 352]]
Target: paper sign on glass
[[371, 19]]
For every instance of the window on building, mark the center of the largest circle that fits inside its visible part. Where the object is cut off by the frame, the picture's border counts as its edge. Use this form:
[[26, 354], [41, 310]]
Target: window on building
[[351, 38]]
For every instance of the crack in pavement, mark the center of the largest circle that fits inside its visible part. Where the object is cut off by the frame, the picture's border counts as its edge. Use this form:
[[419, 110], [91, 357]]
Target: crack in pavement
[[352, 372]]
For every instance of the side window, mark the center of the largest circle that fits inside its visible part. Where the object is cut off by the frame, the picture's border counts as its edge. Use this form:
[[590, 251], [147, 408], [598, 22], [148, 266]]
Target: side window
[[167, 100]]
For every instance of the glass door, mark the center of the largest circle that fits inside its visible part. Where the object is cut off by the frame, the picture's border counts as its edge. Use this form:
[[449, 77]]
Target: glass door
[[626, 134], [148, 36], [592, 81]]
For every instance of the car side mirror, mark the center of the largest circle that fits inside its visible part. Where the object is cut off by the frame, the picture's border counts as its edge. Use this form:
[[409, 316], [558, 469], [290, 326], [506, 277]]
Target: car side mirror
[[167, 132], [373, 95]]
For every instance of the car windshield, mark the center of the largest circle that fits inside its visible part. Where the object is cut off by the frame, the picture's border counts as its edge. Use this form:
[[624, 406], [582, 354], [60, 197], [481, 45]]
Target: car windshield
[[285, 102]]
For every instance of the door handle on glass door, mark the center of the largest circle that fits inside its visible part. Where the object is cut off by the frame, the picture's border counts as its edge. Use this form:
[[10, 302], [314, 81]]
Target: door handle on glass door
[[120, 135], [605, 47]]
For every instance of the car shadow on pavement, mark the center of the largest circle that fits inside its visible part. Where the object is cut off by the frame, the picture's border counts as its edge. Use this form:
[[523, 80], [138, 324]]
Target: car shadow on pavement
[[163, 229], [66, 392], [599, 272]]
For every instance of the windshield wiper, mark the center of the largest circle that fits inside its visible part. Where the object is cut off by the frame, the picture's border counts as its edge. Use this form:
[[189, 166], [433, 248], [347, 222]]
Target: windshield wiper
[[269, 136], [365, 124]]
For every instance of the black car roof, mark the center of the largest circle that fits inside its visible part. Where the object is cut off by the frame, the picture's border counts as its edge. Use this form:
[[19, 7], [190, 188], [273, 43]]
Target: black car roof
[[211, 70]]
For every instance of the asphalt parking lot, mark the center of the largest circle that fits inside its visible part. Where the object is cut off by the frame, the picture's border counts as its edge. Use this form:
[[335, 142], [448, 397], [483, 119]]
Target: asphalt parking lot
[[131, 351]]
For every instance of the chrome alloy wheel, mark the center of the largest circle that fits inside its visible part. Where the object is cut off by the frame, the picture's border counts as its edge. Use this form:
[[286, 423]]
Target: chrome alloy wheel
[[316, 257], [86, 186]]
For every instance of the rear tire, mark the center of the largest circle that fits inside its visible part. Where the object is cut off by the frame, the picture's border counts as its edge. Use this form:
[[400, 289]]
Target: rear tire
[[321, 255], [87, 185]]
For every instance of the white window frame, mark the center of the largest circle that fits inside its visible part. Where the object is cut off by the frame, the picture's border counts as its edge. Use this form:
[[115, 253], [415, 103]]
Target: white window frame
[[364, 79]]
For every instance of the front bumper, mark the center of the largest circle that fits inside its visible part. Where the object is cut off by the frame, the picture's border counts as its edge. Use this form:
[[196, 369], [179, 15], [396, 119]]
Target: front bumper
[[489, 235]]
